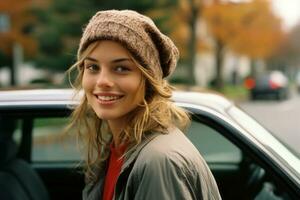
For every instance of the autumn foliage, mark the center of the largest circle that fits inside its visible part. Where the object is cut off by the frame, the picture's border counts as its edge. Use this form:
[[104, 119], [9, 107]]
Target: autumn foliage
[[20, 23], [247, 28]]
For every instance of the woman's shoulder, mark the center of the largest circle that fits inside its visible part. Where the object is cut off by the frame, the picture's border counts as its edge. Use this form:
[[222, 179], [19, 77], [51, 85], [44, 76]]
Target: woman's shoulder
[[173, 145], [171, 140]]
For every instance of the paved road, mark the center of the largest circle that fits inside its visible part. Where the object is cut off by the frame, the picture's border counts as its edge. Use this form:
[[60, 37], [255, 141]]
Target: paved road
[[281, 118]]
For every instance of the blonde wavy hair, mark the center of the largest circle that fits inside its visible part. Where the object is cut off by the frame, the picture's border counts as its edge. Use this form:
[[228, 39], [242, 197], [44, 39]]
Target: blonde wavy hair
[[156, 113]]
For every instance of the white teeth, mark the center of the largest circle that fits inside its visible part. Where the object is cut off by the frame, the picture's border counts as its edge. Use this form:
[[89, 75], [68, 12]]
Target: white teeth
[[108, 98]]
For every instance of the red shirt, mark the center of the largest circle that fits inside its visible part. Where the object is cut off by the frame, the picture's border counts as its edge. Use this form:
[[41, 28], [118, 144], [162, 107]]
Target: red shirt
[[114, 168]]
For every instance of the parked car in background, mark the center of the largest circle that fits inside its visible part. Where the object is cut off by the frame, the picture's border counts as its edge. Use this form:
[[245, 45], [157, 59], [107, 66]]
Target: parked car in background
[[273, 84], [247, 160]]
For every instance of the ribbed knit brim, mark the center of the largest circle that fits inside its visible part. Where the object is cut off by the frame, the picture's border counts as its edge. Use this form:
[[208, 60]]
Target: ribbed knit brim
[[137, 33]]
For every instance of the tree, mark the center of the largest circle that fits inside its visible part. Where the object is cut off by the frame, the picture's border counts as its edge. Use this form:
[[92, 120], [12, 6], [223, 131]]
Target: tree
[[288, 52], [248, 28], [19, 26], [186, 17], [60, 26], [57, 31]]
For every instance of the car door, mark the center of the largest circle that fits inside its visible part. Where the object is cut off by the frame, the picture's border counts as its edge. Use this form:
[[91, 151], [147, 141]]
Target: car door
[[56, 158], [239, 168], [223, 157], [53, 155]]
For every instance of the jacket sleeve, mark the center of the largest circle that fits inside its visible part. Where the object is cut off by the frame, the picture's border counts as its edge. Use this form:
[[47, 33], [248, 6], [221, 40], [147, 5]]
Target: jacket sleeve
[[159, 177]]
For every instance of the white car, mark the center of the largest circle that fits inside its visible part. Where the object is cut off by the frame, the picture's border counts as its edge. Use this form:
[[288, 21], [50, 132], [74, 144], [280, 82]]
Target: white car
[[247, 161]]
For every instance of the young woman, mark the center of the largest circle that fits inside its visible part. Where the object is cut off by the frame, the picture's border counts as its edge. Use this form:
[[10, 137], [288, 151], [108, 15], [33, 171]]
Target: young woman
[[133, 132]]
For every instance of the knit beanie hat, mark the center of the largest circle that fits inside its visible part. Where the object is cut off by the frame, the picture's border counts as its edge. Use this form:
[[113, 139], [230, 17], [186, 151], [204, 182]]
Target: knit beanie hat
[[138, 34]]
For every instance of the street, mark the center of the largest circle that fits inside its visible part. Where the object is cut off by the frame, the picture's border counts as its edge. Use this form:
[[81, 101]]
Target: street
[[280, 117]]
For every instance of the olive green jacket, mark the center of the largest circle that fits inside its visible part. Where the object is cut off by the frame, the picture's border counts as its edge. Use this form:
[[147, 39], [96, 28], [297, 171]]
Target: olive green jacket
[[162, 167]]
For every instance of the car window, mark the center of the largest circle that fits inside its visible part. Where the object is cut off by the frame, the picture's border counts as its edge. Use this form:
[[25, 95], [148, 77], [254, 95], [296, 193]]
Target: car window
[[266, 138], [51, 144], [212, 145]]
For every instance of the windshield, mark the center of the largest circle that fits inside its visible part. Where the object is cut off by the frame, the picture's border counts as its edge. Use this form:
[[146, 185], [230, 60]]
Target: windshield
[[266, 138]]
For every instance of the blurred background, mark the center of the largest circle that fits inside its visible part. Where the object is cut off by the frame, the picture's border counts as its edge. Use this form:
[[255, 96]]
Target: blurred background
[[247, 50]]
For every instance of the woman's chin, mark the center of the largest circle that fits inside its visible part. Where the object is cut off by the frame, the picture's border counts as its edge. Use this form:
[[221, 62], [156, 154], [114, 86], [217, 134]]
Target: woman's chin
[[107, 116]]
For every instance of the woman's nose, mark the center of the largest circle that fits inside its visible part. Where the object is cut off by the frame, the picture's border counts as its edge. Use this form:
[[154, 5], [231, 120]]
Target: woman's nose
[[104, 79]]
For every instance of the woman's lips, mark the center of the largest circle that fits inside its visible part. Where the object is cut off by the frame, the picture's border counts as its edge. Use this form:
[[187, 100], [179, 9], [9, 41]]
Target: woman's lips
[[108, 98]]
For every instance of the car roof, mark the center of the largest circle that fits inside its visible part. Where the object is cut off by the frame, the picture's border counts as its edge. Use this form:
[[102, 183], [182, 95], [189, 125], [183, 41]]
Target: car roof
[[35, 95], [68, 96]]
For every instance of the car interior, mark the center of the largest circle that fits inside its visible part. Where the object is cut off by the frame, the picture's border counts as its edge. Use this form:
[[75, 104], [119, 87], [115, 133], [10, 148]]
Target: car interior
[[37, 163], [18, 180]]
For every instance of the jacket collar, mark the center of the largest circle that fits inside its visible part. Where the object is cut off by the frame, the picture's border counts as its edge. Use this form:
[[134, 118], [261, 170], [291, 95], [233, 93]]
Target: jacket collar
[[93, 189]]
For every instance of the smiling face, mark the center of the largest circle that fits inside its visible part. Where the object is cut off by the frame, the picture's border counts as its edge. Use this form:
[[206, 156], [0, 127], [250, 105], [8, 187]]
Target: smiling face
[[112, 82]]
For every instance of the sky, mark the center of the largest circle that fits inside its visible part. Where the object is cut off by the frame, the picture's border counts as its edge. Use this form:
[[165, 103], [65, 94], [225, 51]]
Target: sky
[[289, 10]]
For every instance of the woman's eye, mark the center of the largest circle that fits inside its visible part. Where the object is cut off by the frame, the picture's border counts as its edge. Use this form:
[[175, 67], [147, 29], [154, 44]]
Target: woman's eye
[[92, 67], [122, 69]]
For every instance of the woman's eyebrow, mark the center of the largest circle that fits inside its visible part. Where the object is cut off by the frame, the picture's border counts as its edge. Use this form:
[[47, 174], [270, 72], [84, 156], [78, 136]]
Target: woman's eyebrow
[[91, 59], [121, 60], [113, 61]]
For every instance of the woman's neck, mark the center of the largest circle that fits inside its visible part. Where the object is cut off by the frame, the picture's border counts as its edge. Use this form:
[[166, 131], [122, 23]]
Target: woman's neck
[[116, 128]]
